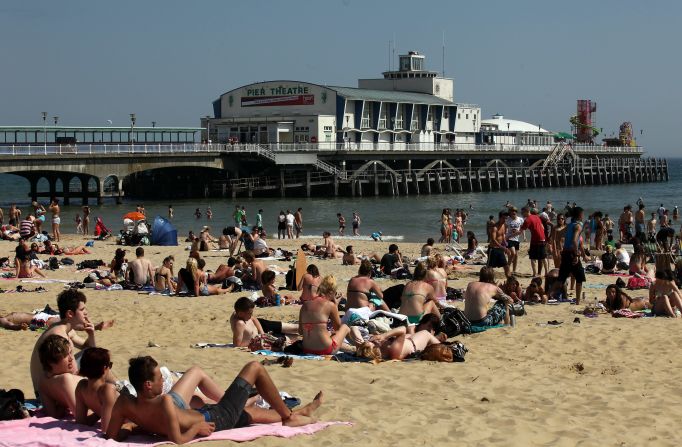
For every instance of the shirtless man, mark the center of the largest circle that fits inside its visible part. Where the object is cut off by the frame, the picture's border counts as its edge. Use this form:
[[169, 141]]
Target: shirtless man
[[625, 222], [56, 220], [349, 257], [651, 226], [298, 222], [363, 291], [245, 326], [14, 214], [86, 220], [57, 390], [170, 416], [140, 271], [478, 297], [253, 279], [427, 248], [497, 256], [342, 223], [331, 250], [96, 394], [639, 223]]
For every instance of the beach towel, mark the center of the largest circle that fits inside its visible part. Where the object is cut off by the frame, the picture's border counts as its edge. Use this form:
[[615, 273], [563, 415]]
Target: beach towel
[[626, 313], [284, 354], [477, 329], [49, 432]]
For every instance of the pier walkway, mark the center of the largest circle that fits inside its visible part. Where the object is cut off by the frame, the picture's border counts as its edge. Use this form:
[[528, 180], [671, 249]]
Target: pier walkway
[[98, 170]]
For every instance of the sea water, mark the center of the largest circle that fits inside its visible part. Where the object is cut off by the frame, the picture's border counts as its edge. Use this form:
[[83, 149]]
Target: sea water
[[412, 218]]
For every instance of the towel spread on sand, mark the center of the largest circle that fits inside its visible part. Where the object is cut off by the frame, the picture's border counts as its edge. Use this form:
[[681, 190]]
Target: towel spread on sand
[[476, 329], [49, 432]]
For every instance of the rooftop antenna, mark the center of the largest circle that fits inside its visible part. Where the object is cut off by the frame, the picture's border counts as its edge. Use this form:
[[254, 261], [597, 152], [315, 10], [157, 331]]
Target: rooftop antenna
[[394, 45], [443, 53], [389, 55]]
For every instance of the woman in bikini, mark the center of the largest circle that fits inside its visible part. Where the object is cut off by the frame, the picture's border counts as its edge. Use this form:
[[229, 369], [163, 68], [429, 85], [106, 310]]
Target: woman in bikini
[[512, 288], [664, 296], [617, 299], [363, 291], [418, 297], [437, 278], [163, 277], [396, 344], [313, 318], [309, 283]]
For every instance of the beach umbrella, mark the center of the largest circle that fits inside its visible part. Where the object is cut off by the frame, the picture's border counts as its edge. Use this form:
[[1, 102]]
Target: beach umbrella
[[134, 215], [163, 232]]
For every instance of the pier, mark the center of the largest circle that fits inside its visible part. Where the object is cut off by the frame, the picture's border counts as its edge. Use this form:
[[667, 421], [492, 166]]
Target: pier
[[377, 178], [235, 170]]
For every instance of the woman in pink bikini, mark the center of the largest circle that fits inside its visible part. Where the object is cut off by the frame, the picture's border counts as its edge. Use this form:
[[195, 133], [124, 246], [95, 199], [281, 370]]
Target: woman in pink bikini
[[313, 318]]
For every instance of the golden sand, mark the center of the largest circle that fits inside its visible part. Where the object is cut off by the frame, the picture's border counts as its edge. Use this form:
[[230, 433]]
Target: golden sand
[[605, 381]]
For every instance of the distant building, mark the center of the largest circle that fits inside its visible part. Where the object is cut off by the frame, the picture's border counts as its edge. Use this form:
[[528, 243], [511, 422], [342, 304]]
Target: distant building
[[500, 130], [410, 105]]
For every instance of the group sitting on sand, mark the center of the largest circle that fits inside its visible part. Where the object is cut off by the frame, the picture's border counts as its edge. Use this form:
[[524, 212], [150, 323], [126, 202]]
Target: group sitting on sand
[[393, 323]]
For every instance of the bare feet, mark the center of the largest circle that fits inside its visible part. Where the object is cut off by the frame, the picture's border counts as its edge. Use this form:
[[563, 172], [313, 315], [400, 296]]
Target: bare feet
[[309, 409], [297, 420]]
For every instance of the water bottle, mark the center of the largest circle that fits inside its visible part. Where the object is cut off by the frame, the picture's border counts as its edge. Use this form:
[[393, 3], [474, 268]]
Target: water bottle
[[512, 316], [278, 300], [584, 297]]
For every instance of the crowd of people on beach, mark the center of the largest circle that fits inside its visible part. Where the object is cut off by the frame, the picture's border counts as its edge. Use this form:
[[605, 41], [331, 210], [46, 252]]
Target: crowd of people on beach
[[411, 318]]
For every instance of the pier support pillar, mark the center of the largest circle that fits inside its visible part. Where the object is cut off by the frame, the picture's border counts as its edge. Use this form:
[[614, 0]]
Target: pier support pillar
[[439, 183], [406, 188], [506, 177], [478, 180], [450, 182], [427, 178], [490, 180], [415, 180], [307, 183], [359, 188], [336, 186], [282, 185]]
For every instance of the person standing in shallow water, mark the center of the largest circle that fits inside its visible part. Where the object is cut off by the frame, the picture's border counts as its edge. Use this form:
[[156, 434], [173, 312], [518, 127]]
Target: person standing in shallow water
[[170, 211], [86, 220], [356, 224], [56, 220], [298, 222]]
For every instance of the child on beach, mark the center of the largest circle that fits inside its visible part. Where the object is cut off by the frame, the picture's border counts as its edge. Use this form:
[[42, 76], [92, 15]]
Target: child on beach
[[79, 224]]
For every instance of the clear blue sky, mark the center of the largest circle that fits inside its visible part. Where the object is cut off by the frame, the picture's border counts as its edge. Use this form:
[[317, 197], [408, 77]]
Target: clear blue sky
[[91, 61]]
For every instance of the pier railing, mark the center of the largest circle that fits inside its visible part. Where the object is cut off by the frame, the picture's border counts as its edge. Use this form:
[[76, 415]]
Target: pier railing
[[268, 149]]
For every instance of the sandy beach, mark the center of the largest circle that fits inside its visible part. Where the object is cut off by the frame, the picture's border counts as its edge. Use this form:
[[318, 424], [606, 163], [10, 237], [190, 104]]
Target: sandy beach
[[604, 381]]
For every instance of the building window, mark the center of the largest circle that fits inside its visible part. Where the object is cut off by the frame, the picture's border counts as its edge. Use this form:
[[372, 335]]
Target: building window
[[429, 116], [365, 123], [459, 115], [399, 117], [446, 113], [383, 116]]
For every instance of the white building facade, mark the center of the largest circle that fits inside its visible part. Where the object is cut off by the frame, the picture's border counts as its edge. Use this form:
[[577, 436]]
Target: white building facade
[[408, 106]]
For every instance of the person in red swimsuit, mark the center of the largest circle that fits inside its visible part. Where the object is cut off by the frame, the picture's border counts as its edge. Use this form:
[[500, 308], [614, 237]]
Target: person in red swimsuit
[[313, 318]]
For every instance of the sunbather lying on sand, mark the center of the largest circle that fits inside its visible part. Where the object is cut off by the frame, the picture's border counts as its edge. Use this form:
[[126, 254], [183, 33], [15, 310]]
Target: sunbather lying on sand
[[396, 344], [170, 415]]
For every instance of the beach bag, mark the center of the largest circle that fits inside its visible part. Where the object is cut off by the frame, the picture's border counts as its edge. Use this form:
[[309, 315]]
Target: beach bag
[[290, 278], [266, 342], [53, 263], [453, 322], [67, 261], [12, 405], [518, 309], [89, 264], [638, 282]]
